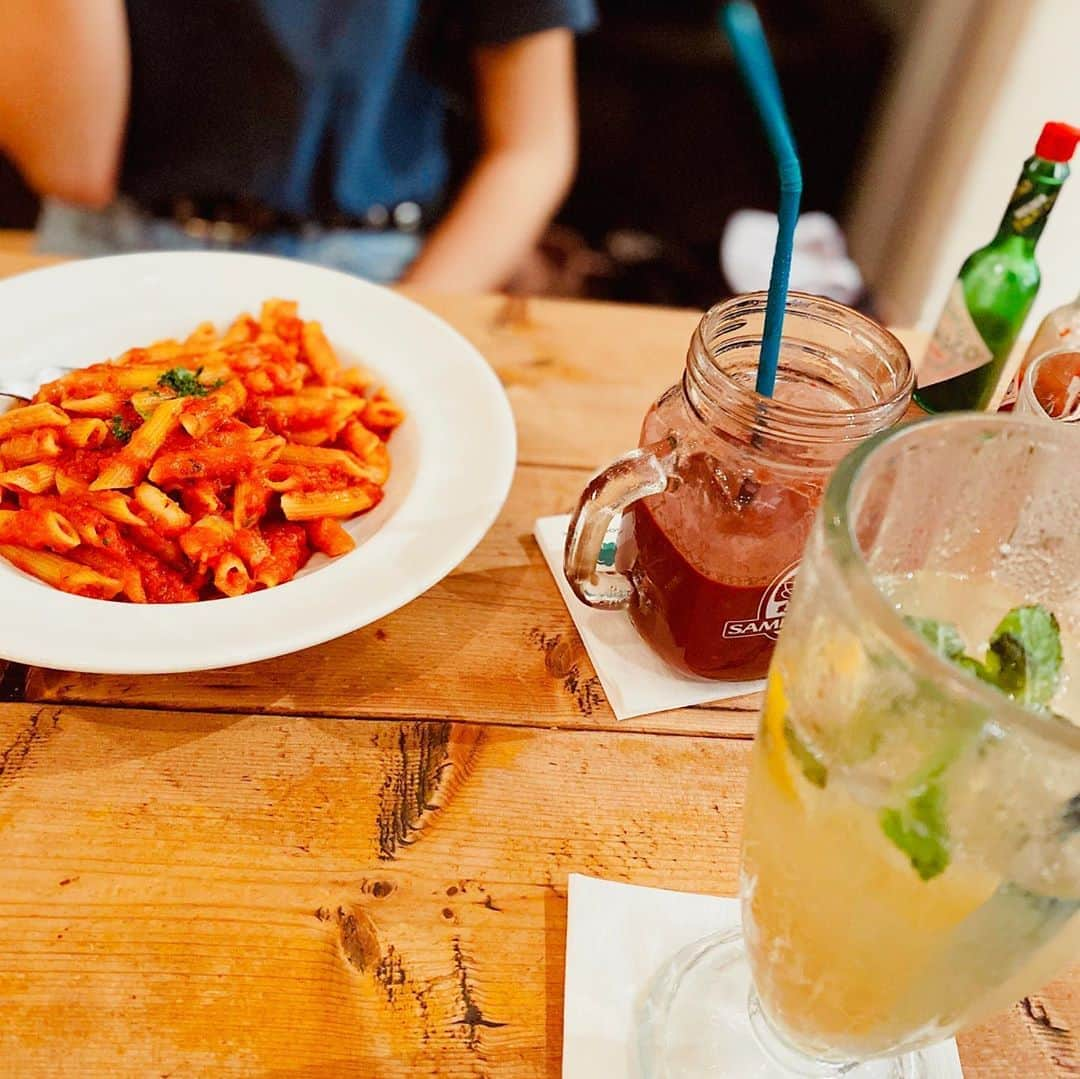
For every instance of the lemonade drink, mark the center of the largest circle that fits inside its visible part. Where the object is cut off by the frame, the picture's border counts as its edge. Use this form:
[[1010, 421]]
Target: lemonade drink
[[888, 898]]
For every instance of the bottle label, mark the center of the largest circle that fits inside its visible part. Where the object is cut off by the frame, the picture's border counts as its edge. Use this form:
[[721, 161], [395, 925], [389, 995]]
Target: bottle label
[[957, 346], [1029, 207]]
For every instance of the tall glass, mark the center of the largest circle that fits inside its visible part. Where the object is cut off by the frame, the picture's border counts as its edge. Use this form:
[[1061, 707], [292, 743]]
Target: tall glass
[[911, 853]]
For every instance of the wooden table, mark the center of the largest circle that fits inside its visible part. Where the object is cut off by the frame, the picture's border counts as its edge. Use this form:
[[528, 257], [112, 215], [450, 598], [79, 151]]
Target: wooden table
[[353, 861]]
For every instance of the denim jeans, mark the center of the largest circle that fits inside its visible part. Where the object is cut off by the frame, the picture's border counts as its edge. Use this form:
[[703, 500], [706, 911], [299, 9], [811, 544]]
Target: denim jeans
[[123, 227]]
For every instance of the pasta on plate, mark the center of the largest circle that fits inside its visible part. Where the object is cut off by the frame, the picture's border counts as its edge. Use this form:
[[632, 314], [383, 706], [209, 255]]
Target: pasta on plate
[[193, 469]]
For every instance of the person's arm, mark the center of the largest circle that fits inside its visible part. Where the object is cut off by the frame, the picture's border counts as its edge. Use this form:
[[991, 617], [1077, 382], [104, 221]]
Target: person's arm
[[528, 118], [64, 79]]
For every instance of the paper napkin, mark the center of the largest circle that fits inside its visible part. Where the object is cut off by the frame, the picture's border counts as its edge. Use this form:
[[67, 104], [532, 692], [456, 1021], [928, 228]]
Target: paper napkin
[[636, 680], [617, 937]]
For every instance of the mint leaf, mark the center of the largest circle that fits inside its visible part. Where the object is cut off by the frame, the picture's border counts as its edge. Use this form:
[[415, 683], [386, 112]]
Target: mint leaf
[[974, 667], [919, 827], [1024, 657], [1024, 661], [943, 637], [184, 383], [810, 763]]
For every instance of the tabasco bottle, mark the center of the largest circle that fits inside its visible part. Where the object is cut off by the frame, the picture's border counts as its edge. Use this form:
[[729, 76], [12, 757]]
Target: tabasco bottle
[[996, 288]]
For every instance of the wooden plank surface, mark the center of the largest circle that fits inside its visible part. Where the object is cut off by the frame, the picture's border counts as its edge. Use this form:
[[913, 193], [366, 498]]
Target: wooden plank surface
[[492, 643], [223, 894]]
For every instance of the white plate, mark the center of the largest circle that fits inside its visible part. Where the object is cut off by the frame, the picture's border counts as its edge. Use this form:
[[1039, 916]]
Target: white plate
[[453, 458]]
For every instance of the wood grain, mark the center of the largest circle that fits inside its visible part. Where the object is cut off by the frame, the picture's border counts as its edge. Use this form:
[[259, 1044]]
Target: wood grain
[[246, 895], [222, 894]]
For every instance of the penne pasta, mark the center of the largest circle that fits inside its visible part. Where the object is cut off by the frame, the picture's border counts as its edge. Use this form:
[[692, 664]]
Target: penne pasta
[[167, 516], [115, 506], [206, 414], [273, 311], [317, 456], [31, 446], [204, 335], [132, 462], [93, 527], [194, 468], [146, 401], [207, 540], [289, 550], [251, 497], [38, 528], [61, 573], [99, 404], [30, 417], [244, 329], [85, 433], [223, 464], [324, 393], [360, 440], [165, 551], [143, 376], [355, 380], [268, 449], [281, 478], [252, 548], [381, 414], [231, 577], [328, 537], [67, 483], [376, 464], [318, 353], [114, 566], [33, 479], [199, 498], [307, 505]]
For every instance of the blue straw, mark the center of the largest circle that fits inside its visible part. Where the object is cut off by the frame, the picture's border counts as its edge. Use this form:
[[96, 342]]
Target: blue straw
[[743, 28]]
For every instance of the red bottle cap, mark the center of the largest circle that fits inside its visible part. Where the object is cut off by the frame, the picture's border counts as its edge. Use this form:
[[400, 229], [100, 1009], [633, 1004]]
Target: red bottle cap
[[1057, 142]]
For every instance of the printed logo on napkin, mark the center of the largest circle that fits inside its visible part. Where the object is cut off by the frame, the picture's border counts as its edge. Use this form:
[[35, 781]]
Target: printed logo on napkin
[[771, 610]]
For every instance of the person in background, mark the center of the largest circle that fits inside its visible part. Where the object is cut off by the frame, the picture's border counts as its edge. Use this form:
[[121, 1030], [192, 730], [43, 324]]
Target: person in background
[[308, 128]]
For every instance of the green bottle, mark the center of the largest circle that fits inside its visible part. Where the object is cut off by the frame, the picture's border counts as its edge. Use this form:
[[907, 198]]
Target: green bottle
[[996, 288]]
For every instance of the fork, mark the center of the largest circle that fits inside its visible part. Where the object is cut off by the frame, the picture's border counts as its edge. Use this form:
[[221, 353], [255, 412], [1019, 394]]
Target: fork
[[23, 389]]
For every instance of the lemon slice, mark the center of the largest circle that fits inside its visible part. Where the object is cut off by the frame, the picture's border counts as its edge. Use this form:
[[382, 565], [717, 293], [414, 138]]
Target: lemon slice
[[772, 723]]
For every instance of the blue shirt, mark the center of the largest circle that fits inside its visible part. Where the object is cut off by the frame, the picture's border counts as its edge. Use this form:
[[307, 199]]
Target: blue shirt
[[309, 106]]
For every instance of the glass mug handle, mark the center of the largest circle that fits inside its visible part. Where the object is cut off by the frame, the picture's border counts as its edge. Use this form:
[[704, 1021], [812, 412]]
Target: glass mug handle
[[635, 475]]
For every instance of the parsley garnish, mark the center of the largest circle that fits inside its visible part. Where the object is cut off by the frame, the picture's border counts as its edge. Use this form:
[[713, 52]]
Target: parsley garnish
[[1023, 660], [184, 383], [120, 430]]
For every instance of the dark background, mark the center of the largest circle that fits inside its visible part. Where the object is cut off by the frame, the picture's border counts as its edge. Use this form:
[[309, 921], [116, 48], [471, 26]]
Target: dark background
[[670, 145]]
